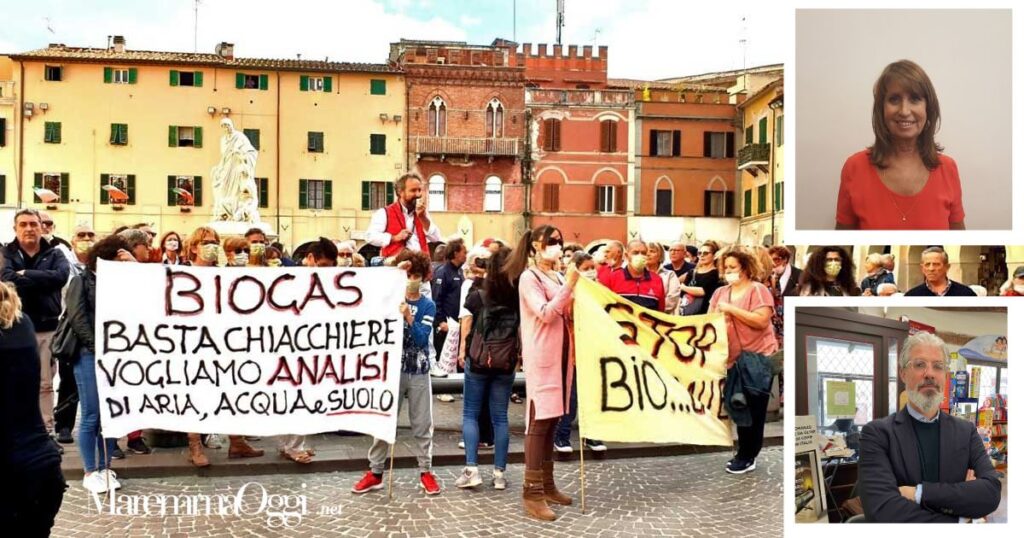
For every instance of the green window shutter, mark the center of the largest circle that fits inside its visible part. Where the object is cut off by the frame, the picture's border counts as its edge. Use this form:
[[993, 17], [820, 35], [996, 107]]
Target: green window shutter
[[762, 199], [303, 194], [327, 84], [327, 194], [198, 137], [48, 132], [240, 80], [254, 137], [3, 189], [263, 184], [264, 82], [113, 133], [378, 87], [56, 132], [172, 198], [378, 144], [197, 79], [197, 183], [3, 132], [172, 136], [762, 137], [749, 135], [104, 195], [304, 83], [366, 195], [389, 193], [174, 77], [108, 75], [133, 75], [37, 183], [747, 202], [124, 133], [778, 196], [131, 189], [65, 188]]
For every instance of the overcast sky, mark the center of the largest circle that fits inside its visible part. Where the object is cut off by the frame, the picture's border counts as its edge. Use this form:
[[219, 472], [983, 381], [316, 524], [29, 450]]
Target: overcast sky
[[646, 38]]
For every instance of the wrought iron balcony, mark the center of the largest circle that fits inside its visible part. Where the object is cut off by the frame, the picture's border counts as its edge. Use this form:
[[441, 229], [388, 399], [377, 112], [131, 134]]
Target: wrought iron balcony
[[443, 145], [754, 157]]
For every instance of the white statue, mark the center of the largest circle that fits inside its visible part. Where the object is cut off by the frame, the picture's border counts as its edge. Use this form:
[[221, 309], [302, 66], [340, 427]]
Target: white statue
[[235, 196]]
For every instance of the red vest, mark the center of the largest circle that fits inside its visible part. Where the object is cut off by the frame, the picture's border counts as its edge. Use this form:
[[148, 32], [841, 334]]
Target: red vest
[[395, 224]]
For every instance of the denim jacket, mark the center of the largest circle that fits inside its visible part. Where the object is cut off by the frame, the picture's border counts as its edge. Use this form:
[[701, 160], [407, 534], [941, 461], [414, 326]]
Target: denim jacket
[[751, 375]]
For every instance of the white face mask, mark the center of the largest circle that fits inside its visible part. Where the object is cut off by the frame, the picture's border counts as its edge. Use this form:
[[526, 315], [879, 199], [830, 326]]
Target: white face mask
[[1019, 288], [241, 259], [276, 262], [171, 245], [551, 253], [344, 262], [732, 278], [592, 274]]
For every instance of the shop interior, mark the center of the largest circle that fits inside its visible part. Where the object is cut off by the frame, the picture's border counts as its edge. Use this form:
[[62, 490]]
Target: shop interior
[[846, 376]]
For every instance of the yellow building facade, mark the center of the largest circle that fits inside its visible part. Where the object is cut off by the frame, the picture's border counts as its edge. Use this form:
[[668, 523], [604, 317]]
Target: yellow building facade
[[328, 134], [761, 164]]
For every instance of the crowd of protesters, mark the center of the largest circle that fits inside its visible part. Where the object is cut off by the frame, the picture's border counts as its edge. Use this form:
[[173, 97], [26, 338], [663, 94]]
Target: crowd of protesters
[[506, 305]]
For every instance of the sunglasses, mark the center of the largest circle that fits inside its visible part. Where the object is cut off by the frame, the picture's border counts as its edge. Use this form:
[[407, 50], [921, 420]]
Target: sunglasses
[[552, 242], [704, 253], [241, 250], [85, 235], [344, 254], [47, 223]]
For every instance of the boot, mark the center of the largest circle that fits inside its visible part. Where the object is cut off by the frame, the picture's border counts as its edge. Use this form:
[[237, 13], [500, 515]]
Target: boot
[[196, 456], [239, 448], [551, 492], [533, 496]]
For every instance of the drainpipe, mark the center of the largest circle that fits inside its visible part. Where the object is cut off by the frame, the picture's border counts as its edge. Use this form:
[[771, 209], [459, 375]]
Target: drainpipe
[[527, 169], [771, 163], [21, 134], [277, 157]]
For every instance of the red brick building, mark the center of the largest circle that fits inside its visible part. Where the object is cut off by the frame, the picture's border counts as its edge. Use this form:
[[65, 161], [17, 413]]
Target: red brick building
[[465, 132], [579, 146]]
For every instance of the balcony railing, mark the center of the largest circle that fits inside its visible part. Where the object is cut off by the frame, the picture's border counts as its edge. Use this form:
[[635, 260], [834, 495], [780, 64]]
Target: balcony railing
[[753, 155], [442, 145], [578, 97]]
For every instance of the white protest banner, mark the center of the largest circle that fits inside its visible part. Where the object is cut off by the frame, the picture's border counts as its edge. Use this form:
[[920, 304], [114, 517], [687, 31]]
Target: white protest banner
[[250, 351]]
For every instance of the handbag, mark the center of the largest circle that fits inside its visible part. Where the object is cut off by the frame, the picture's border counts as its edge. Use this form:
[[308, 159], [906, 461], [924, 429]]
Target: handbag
[[64, 345], [694, 305], [449, 356]]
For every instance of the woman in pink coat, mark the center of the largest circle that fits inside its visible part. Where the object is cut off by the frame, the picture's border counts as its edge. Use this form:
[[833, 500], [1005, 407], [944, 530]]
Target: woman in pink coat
[[545, 301]]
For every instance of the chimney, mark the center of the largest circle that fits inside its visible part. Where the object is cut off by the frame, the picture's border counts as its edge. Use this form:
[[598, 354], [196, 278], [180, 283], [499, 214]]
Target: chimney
[[119, 44], [225, 50]]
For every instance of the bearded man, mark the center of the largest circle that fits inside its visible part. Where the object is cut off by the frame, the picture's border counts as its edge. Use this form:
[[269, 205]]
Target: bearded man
[[920, 464]]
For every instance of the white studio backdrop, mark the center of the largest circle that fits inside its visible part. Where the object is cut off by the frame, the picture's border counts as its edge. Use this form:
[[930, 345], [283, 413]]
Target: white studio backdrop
[[250, 351], [967, 56]]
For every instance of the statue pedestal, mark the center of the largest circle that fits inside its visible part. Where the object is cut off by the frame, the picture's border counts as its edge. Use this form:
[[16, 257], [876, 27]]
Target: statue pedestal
[[227, 228]]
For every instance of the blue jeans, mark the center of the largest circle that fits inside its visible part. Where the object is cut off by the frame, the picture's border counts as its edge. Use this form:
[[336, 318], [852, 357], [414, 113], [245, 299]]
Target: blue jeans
[[564, 428], [497, 388], [95, 450]]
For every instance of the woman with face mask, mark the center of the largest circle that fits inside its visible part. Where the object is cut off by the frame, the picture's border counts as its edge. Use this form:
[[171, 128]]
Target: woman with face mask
[[829, 272], [545, 300], [655, 253], [172, 250], [236, 251], [747, 305]]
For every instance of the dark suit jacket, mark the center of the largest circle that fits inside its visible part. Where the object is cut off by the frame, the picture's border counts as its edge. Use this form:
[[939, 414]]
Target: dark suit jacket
[[792, 285], [889, 459]]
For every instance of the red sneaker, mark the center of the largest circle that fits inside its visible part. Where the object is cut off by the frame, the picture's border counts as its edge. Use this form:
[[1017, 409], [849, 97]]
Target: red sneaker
[[368, 483], [429, 483]]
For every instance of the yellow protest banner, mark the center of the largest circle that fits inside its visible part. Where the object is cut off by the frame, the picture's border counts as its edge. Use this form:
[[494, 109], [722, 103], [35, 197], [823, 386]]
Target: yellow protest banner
[[646, 376]]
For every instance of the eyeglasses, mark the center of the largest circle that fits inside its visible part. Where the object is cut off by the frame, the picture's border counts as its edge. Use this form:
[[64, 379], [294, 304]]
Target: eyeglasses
[[47, 223], [85, 235], [344, 254], [552, 242], [704, 253], [922, 365]]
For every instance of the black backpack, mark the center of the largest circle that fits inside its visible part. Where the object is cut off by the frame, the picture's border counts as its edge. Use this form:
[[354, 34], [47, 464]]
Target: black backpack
[[494, 347]]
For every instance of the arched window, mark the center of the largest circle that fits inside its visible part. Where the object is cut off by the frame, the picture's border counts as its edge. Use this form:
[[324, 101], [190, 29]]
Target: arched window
[[495, 119], [492, 194], [437, 117], [435, 193]]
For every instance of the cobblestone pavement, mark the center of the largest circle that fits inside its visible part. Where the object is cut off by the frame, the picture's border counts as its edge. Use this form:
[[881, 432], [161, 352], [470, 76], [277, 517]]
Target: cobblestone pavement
[[660, 496]]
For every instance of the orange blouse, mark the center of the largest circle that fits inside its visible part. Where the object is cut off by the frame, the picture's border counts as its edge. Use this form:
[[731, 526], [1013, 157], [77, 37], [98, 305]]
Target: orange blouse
[[867, 204]]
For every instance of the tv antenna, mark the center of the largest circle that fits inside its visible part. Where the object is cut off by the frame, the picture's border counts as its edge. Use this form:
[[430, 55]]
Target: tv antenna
[[195, 26]]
